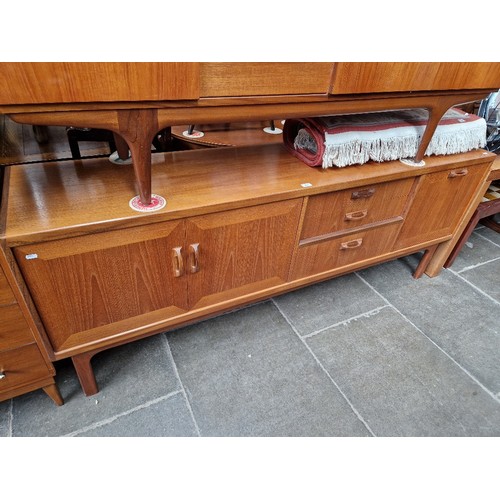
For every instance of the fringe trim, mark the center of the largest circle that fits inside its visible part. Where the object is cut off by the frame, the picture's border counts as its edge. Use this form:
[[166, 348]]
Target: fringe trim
[[395, 148]]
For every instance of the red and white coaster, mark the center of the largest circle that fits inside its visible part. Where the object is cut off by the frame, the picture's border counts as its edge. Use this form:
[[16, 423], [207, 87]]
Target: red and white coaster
[[196, 134], [157, 202]]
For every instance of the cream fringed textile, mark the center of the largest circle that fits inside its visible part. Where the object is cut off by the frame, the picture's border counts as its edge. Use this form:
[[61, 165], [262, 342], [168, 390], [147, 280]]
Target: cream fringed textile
[[338, 141]]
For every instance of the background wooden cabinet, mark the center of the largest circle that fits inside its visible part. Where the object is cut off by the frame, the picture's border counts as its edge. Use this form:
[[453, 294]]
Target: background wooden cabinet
[[91, 82]]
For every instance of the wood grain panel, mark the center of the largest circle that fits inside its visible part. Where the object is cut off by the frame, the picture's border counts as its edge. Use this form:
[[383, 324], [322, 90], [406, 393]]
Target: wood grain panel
[[64, 82], [241, 251], [345, 210], [439, 204], [257, 78], [14, 331], [6, 295], [87, 283], [367, 77], [21, 366]]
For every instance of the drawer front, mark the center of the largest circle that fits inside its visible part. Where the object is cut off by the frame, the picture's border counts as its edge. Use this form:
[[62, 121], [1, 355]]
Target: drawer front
[[14, 330], [6, 295], [342, 251], [344, 210], [21, 366]]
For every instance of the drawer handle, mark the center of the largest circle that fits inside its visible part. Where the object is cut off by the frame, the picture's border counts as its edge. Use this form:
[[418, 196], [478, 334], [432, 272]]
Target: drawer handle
[[364, 193], [458, 173], [2, 375], [347, 245], [361, 214], [194, 254], [177, 261]]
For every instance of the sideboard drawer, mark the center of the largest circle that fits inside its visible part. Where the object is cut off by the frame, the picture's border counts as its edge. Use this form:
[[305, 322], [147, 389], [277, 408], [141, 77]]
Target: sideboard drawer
[[343, 250], [330, 213], [21, 366], [14, 330], [6, 295]]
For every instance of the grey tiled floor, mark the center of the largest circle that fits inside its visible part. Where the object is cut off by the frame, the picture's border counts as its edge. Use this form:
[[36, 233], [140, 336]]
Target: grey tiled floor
[[371, 353]]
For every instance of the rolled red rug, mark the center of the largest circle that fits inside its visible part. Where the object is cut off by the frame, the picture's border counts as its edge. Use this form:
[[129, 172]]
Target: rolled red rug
[[338, 141]]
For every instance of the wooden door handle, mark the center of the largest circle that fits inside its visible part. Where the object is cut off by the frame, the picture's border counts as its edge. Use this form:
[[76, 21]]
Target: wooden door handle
[[194, 254], [458, 173], [360, 214], [347, 245], [363, 193], [177, 261]]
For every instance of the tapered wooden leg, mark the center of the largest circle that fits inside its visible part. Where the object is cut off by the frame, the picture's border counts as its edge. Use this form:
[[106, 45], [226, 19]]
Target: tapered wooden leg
[[53, 392], [138, 127], [435, 115], [462, 240], [424, 261], [121, 146], [85, 373]]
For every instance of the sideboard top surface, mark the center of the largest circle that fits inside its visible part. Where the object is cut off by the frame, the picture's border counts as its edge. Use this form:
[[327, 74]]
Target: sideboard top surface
[[71, 198]]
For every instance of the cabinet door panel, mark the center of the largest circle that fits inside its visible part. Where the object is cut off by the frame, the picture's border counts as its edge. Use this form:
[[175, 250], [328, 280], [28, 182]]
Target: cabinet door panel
[[63, 82], [366, 77], [93, 287], [240, 251], [439, 204]]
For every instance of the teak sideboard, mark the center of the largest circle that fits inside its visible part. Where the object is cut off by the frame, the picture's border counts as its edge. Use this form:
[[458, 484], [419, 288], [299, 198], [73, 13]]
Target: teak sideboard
[[240, 224]]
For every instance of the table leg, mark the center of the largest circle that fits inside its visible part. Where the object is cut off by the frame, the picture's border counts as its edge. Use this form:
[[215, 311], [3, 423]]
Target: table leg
[[138, 127], [85, 373], [53, 392], [424, 261]]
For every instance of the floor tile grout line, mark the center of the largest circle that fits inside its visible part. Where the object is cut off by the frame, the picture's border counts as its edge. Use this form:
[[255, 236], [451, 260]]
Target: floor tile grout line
[[11, 418], [487, 239], [346, 321], [475, 287], [355, 411], [490, 393], [109, 420], [474, 266], [183, 390]]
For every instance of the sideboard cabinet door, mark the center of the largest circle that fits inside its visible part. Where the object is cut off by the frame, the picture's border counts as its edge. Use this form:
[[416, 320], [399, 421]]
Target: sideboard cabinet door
[[439, 204], [98, 286], [238, 252]]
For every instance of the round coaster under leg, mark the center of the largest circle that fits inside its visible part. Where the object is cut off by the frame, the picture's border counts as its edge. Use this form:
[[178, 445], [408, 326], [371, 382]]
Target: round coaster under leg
[[195, 134], [411, 163], [275, 130], [157, 202], [114, 158]]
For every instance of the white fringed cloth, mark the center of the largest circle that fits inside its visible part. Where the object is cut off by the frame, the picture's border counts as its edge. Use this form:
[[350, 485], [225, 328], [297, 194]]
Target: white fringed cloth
[[338, 141]]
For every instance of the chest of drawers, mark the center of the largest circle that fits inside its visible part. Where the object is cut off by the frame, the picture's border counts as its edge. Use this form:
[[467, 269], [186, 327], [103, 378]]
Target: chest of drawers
[[23, 366]]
